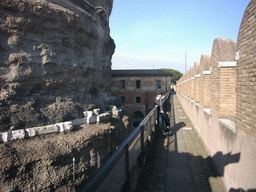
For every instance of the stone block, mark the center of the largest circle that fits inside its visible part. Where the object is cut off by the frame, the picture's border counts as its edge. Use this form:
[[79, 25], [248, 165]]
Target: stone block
[[88, 113], [79, 121], [61, 127], [96, 111], [18, 134], [103, 116], [49, 129], [11, 135], [91, 119], [31, 132], [4, 137]]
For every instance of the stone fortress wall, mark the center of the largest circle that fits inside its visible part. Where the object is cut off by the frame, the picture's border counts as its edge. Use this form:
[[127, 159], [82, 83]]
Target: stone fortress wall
[[55, 60], [220, 100], [55, 64]]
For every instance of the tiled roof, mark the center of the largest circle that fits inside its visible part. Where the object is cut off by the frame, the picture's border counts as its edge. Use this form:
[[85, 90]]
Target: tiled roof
[[140, 72]]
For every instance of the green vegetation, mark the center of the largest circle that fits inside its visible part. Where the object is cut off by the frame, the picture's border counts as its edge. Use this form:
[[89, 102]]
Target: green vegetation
[[176, 75]]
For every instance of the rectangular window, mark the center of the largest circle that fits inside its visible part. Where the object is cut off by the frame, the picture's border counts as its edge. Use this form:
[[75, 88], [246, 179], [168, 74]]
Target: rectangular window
[[138, 84], [158, 84], [138, 99], [122, 84], [122, 99]]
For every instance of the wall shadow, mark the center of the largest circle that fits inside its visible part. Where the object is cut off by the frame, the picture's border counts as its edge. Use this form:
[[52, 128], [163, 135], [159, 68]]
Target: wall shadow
[[202, 170], [242, 190]]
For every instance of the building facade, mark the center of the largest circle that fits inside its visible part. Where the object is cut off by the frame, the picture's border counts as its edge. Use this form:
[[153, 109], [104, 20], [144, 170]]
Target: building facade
[[136, 90]]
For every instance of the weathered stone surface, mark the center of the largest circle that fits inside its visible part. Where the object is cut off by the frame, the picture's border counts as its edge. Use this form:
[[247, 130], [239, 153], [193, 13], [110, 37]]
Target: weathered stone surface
[[54, 62], [44, 162]]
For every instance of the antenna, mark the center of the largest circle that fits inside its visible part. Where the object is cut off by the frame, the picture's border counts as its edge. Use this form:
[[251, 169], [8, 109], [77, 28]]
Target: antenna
[[153, 63]]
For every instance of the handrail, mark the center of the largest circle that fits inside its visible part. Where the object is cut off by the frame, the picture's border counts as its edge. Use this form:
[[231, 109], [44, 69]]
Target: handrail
[[99, 176]]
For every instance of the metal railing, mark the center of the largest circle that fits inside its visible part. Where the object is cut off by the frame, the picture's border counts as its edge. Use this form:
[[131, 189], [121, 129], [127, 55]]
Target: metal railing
[[115, 172]]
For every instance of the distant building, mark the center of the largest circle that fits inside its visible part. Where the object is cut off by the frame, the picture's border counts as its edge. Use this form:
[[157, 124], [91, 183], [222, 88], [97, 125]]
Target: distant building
[[136, 90]]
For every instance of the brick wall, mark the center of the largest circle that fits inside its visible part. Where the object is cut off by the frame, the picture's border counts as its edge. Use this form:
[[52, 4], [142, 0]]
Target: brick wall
[[223, 50], [147, 92], [227, 102], [192, 83], [225, 118], [196, 82], [246, 72], [205, 89]]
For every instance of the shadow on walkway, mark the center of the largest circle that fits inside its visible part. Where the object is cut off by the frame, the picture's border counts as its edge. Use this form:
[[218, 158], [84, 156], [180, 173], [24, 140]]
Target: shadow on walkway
[[179, 162]]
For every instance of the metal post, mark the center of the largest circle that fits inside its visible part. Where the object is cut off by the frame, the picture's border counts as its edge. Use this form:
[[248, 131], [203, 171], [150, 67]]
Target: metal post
[[74, 170], [127, 167], [98, 160], [150, 124], [142, 140]]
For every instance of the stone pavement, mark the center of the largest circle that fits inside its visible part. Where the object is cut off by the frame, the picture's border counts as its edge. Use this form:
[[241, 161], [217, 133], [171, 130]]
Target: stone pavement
[[179, 162]]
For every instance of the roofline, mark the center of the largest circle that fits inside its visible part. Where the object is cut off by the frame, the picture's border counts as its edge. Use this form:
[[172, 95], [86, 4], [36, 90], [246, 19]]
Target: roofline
[[142, 74]]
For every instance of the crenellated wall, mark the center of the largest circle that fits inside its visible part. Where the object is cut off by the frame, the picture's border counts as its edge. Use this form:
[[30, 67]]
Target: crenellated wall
[[204, 81], [224, 113], [196, 81], [222, 78]]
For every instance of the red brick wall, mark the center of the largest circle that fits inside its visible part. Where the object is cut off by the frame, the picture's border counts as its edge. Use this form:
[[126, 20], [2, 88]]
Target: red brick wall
[[147, 92]]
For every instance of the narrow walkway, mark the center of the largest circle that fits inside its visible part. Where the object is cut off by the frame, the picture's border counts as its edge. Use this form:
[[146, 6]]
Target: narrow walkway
[[179, 162]]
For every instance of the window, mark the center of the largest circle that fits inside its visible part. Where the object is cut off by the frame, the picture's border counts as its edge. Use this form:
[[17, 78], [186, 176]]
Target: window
[[122, 99], [138, 84], [122, 84], [158, 84], [138, 99]]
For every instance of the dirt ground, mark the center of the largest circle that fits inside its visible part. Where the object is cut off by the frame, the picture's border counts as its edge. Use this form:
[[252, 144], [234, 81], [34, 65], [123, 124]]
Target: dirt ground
[[45, 162]]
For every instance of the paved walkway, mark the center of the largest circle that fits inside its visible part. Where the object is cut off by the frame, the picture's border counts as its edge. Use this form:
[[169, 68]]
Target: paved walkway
[[179, 162]]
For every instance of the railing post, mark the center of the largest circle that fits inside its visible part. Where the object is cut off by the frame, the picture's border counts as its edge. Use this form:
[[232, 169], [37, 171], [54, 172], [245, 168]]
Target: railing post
[[141, 157], [150, 124], [127, 168], [142, 139], [122, 152], [74, 171]]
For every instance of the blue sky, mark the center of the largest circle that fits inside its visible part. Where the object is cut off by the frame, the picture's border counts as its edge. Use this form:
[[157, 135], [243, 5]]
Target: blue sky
[[155, 34]]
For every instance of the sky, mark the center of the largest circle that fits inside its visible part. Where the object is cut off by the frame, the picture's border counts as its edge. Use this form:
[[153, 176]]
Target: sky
[[154, 34]]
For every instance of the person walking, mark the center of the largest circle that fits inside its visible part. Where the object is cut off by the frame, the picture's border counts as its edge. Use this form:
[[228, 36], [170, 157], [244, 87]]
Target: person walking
[[163, 117]]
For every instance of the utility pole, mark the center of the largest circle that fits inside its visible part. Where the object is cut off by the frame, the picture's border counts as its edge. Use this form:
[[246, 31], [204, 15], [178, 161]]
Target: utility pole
[[153, 63]]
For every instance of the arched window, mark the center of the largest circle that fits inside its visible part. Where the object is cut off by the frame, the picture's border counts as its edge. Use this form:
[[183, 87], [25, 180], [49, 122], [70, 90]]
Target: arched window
[[137, 118]]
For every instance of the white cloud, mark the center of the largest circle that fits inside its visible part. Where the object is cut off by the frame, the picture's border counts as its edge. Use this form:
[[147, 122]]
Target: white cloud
[[158, 56]]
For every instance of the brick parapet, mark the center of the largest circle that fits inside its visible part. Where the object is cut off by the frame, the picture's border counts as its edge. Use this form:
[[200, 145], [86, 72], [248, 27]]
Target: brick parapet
[[246, 73], [207, 91], [223, 50], [227, 105], [196, 82], [226, 118], [192, 80], [204, 81]]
